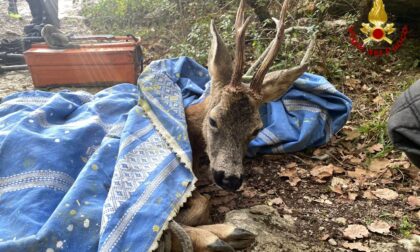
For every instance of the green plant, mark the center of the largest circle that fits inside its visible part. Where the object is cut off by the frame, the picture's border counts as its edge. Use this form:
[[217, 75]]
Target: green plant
[[406, 227]]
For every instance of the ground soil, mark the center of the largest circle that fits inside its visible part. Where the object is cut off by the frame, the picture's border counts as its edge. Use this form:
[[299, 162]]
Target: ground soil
[[320, 212]]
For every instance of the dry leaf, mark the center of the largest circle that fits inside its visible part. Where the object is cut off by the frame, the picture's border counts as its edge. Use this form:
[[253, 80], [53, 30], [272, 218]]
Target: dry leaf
[[358, 174], [386, 194], [275, 201], [353, 232], [302, 173], [379, 168], [338, 170], [376, 148], [291, 165], [351, 134], [368, 195], [352, 196], [339, 184], [320, 173], [356, 246], [379, 100], [380, 227], [291, 174], [413, 201], [324, 237]]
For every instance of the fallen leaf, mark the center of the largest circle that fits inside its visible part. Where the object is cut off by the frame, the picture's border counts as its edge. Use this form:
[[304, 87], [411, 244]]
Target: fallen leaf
[[352, 196], [379, 168], [291, 165], [413, 201], [291, 174], [339, 184], [351, 134], [386, 194], [320, 173], [302, 173], [275, 201], [352, 83], [324, 237], [353, 232], [355, 160], [338, 170], [323, 199], [376, 148], [379, 100], [368, 195], [356, 246], [358, 174], [380, 227]]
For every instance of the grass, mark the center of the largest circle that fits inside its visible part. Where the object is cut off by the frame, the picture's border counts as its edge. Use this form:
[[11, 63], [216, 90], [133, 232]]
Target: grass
[[406, 227]]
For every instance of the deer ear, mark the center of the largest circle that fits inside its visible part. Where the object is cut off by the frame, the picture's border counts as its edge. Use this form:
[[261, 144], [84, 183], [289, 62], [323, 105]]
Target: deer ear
[[276, 83], [219, 61]]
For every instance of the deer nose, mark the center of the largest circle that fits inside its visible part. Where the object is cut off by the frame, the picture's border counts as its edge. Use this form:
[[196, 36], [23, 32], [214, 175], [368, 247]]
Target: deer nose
[[228, 183]]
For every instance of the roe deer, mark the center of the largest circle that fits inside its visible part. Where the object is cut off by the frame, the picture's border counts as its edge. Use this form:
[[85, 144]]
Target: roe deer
[[225, 122], [228, 119]]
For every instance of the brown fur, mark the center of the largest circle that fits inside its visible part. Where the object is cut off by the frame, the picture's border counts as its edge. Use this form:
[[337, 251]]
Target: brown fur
[[222, 126]]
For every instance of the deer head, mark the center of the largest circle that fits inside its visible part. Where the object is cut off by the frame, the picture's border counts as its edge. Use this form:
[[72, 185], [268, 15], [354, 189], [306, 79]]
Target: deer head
[[232, 117]]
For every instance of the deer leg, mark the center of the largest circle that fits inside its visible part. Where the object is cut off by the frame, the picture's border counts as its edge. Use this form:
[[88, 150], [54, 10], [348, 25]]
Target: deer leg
[[237, 238], [205, 241], [196, 210]]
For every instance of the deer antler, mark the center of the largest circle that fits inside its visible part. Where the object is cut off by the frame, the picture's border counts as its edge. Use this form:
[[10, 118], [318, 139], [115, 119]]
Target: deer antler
[[259, 75], [240, 26]]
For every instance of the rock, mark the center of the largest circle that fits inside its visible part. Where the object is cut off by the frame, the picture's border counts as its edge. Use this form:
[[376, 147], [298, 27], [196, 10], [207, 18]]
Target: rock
[[274, 233], [332, 242], [340, 220], [412, 244], [384, 246]]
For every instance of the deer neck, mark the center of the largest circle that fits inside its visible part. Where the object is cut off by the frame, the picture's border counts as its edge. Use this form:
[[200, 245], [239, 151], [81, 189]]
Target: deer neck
[[195, 115]]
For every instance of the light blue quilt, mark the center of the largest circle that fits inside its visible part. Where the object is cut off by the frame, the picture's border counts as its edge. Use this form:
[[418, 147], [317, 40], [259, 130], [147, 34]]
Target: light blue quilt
[[82, 172]]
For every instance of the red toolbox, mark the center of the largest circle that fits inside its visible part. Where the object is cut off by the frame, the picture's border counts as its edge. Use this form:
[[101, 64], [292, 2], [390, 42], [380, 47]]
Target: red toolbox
[[102, 64]]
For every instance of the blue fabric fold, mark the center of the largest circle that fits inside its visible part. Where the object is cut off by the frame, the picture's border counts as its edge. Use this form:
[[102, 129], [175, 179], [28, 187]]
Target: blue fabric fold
[[105, 172]]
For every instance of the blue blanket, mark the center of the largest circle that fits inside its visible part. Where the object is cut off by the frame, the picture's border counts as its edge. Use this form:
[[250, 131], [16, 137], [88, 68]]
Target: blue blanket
[[82, 172]]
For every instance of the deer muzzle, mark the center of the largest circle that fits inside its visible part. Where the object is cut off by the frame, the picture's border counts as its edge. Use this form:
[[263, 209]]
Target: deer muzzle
[[227, 182]]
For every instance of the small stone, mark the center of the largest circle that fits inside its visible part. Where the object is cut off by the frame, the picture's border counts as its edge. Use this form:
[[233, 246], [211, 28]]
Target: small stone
[[340, 220], [223, 209], [332, 242]]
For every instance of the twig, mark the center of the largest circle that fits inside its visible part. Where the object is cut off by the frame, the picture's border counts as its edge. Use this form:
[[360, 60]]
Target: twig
[[308, 52], [301, 159]]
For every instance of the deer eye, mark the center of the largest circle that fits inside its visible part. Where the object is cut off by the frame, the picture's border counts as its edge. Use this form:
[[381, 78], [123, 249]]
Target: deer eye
[[213, 123]]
